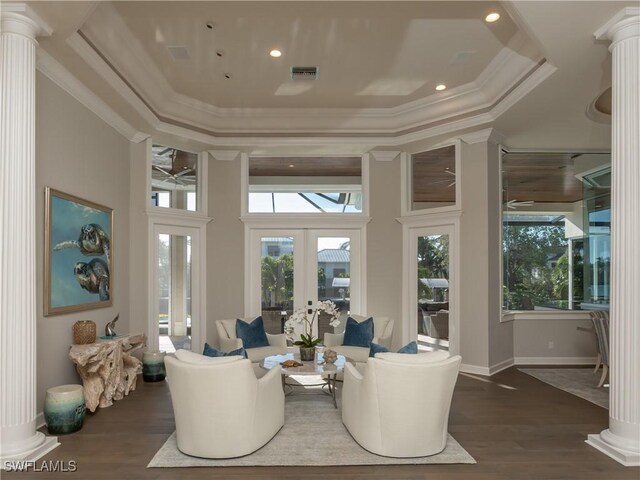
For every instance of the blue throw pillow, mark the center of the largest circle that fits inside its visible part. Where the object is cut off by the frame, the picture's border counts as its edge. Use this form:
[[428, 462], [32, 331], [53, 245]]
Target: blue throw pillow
[[209, 351], [411, 347], [252, 334], [358, 334]]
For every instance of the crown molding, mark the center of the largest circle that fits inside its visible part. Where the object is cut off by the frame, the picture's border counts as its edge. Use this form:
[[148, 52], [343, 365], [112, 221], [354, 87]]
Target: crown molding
[[53, 70], [89, 54], [225, 155], [134, 75], [490, 135], [385, 155]]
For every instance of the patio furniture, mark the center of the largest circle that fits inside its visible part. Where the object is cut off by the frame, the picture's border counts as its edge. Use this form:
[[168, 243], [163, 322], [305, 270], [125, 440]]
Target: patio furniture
[[221, 408], [398, 406], [600, 319]]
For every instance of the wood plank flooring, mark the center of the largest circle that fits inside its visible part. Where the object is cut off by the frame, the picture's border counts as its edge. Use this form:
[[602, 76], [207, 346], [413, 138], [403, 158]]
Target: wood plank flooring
[[515, 426]]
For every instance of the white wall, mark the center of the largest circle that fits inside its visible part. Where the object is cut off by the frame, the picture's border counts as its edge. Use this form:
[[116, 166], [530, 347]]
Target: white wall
[[384, 245], [79, 154], [225, 245], [555, 340], [484, 341]]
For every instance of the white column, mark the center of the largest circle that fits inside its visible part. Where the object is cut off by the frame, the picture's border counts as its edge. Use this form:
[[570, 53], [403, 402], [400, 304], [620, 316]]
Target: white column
[[18, 435], [621, 440]]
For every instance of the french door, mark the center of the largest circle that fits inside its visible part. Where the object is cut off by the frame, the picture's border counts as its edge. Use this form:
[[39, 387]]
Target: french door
[[433, 286], [291, 269]]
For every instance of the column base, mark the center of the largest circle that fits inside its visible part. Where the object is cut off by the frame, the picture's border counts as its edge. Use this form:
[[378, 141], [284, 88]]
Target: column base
[[607, 444], [39, 446]]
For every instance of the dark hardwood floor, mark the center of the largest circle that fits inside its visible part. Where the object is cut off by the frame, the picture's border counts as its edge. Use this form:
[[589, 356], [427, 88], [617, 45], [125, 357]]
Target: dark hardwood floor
[[515, 426]]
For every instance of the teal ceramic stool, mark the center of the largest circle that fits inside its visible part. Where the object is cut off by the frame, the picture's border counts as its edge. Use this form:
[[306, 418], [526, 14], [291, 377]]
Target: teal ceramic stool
[[153, 366], [64, 409]]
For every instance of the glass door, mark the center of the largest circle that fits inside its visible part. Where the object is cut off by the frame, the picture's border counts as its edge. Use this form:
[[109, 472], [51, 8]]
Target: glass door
[[432, 282], [293, 269], [176, 296], [334, 274]]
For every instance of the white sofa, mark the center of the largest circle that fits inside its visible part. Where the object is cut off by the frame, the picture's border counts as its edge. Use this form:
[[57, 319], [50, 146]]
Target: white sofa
[[230, 342], [221, 409], [382, 333], [398, 405]]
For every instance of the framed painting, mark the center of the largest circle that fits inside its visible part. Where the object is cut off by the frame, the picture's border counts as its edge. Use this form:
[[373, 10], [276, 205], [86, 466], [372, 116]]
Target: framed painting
[[78, 254]]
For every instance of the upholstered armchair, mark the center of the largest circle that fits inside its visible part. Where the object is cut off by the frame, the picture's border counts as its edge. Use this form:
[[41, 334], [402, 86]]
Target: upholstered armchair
[[382, 333], [229, 341], [221, 409], [398, 405]]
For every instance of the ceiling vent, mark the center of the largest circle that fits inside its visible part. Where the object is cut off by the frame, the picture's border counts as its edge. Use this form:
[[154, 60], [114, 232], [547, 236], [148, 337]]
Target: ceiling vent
[[179, 52], [304, 73]]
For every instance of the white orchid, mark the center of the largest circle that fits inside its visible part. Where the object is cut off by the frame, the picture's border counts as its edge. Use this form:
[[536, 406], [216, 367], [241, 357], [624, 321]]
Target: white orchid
[[300, 317]]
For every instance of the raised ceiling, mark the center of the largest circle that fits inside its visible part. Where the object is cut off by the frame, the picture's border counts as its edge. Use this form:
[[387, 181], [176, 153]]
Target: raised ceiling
[[380, 54], [531, 75]]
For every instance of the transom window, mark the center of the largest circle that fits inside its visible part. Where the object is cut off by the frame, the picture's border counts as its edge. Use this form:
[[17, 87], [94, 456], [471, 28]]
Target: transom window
[[305, 185], [433, 179], [174, 175]]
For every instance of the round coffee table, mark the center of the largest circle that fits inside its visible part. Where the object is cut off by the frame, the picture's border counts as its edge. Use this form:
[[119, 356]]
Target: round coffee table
[[328, 370]]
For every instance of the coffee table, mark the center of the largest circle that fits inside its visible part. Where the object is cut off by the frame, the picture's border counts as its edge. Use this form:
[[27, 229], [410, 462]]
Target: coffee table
[[328, 370]]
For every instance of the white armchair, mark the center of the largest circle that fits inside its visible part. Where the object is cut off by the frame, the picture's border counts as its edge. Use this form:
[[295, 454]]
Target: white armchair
[[382, 333], [398, 406], [230, 342], [221, 409]]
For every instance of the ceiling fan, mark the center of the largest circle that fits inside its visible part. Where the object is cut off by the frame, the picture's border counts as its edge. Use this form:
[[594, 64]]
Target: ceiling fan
[[449, 181], [513, 204], [180, 173]]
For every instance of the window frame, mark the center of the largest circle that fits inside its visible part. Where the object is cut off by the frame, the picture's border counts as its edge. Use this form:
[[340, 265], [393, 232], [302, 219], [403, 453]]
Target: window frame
[[309, 218], [201, 183], [407, 182]]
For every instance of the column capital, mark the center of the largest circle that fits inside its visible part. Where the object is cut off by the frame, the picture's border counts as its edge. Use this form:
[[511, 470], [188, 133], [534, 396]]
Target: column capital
[[20, 19], [623, 25]]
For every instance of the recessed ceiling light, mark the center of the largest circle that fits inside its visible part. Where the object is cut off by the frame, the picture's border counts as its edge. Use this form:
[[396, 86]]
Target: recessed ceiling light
[[440, 87], [291, 165], [275, 53], [492, 17]]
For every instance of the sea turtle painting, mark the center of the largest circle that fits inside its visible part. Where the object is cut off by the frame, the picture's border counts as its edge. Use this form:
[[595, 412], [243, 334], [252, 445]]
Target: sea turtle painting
[[93, 241], [93, 277]]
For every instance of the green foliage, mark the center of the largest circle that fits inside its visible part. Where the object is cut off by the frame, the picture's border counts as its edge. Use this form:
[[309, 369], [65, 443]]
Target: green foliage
[[528, 277], [277, 280], [433, 261], [307, 341]]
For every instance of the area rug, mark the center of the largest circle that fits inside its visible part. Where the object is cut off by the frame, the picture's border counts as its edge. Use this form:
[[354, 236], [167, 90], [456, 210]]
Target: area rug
[[313, 434], [581, 382]]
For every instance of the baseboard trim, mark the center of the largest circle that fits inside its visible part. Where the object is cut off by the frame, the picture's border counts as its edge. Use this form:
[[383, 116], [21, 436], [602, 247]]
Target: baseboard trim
[[486, 371], [555, 360], [475, 370]]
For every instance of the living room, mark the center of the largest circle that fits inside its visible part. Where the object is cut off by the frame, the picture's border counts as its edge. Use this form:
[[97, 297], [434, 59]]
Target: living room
[[108, 97]]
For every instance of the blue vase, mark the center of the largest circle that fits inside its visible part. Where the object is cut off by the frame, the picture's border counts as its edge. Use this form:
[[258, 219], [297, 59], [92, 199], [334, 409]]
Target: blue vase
[[153, 366], [64, 409]]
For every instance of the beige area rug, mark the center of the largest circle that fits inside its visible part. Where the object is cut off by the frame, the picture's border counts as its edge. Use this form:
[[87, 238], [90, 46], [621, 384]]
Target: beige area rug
[[581, 382], [313, 434]]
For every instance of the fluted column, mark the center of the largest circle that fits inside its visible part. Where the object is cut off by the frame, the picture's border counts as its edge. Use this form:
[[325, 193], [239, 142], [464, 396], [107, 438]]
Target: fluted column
[[18, 435], [621, 440]]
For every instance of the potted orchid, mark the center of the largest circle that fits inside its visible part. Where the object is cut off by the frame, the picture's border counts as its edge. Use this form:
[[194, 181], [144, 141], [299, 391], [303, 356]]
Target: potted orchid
[[300, 317]]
